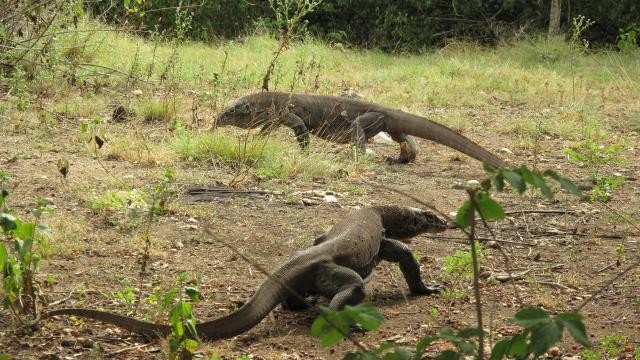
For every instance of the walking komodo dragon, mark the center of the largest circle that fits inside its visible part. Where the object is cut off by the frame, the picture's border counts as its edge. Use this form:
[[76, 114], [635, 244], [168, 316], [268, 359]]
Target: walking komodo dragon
[[343, 120], [334, 267]]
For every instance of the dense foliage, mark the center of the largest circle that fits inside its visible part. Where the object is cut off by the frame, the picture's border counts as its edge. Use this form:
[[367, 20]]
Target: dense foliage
[[390, 25]]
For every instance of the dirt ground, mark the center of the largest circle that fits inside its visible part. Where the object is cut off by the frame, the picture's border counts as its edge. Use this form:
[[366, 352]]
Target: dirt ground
[[94, 255]]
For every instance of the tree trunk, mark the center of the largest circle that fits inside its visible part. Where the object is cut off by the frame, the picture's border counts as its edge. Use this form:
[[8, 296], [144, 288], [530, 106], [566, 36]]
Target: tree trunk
[[554, 19]]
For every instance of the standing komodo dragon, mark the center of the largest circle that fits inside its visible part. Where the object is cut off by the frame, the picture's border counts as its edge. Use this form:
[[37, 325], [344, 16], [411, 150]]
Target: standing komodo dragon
[[344, 120], [334, 267]]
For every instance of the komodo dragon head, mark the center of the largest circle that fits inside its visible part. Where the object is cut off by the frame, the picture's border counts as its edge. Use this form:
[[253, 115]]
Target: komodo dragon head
[[403, 223], [241, 113]]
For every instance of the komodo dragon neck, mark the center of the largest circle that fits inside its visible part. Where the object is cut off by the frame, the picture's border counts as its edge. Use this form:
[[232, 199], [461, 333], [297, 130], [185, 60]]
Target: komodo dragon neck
[[322, 109], [351, 246]]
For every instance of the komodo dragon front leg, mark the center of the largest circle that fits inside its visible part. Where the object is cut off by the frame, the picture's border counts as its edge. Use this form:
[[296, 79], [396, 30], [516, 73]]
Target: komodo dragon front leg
[[295, 123], [398, 252], [369, 125]]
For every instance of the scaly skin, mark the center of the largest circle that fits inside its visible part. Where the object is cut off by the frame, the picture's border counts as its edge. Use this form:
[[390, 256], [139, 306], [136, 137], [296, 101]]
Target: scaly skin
[[334, 267], [345, 120]]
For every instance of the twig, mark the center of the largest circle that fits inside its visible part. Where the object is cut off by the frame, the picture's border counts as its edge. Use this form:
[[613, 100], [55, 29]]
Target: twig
[[476, 269], [558, 211], [63, 299], [606, 267], [607, 284], [623, 217], [135, 347]]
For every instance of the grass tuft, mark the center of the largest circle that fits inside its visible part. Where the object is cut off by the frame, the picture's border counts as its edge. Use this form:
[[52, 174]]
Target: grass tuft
[[268, 158]]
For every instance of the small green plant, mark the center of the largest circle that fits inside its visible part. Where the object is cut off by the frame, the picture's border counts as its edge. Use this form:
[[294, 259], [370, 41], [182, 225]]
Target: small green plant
[[614, 344], [127, 295], [183, 339], [93, 128], [460, 265], [594, 154], [590, 354], [4, 177], [157, 110], [24, 244], [620, 253], [628, 37]]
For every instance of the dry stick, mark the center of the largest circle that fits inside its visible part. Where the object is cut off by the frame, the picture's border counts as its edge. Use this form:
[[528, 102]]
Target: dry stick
[[559, 211], [623, 217], [261, 269], [476, 282], [607, 284], [486, 239]]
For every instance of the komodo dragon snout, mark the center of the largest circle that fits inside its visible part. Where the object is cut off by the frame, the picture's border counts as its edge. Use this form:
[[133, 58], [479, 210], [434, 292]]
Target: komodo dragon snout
[[409, 222]]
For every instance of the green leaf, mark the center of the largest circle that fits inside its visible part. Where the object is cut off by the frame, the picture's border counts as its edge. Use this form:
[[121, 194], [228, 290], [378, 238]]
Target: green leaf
[[573, 322], [498, 181], [193, 293], [446, 333], [488, 208], [190, 345], [324, 326], [531, 317], [191, 326], [464, 215], [538, 181], [518, 347], [515, 180], [447, 355], [466, 347], [399, 353], [500, 349], [7, 222], [423, 344], [564, 182], [543, 337], [385, 346], [364, 314], [4, 257], [469, 332], [488, 168]]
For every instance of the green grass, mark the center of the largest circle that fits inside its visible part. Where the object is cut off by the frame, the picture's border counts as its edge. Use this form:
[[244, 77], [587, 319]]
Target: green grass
[[156, 110], [268, 158], [535, 72]]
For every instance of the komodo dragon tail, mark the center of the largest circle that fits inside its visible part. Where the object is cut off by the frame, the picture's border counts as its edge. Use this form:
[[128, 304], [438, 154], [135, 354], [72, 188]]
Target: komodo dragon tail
[[268, 296], [415, 125]]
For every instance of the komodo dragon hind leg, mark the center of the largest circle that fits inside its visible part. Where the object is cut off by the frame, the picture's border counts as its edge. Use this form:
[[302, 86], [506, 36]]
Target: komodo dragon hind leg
[[408, 148], [398, 252], [340, 284], [365, 127], [320, 239]]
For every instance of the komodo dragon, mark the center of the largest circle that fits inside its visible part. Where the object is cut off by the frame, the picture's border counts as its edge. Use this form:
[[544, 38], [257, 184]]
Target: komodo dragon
[[344, 120], [334, 268]]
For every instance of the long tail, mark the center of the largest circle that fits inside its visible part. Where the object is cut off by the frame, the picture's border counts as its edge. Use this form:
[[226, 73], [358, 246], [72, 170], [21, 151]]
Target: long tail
[[268, 296], [418, 126]]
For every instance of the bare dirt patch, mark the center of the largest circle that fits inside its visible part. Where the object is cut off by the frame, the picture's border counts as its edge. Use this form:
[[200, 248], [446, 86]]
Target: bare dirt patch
[[96, 254]]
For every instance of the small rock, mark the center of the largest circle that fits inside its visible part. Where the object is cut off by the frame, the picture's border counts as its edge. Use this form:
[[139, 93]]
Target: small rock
[[179, 245], [309, 202], [192, 220], [506, 151], [136, 92], [330, 199]]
